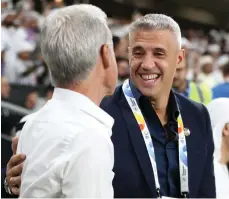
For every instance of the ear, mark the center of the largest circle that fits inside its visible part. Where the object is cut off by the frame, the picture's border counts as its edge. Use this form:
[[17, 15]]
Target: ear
[[181, 57], [105, 54], [226, 130], [129, 53]]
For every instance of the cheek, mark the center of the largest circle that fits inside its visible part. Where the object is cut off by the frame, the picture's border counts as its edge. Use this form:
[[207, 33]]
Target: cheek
[[114, 72], [169, 67], [163, 66], [134, 65]]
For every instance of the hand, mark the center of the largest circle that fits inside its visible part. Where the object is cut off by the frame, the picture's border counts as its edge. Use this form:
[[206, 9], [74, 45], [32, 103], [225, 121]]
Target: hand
[[14, 169]]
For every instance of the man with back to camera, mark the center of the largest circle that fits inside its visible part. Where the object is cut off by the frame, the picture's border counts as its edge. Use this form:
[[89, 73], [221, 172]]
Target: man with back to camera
[[58, 149], [162, 141]]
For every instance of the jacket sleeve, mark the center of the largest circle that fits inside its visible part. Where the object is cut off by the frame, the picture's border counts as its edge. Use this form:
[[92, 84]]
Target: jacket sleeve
[[207, 188]]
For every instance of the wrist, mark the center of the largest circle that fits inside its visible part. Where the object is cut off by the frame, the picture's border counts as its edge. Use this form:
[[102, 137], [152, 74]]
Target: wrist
[[7, 188]]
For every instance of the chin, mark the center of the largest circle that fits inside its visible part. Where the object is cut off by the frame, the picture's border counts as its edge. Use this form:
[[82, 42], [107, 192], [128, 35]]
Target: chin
[[149, 92], [110, 91]]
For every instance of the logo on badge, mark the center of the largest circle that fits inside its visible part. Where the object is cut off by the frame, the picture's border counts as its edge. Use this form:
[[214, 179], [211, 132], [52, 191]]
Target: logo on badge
[[187, 132]]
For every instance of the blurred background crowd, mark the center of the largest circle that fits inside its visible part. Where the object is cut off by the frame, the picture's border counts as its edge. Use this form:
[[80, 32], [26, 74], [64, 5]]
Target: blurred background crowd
[[25, 84]]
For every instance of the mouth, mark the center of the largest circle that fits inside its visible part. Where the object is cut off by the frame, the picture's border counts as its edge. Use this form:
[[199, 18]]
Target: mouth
[[150, 79]]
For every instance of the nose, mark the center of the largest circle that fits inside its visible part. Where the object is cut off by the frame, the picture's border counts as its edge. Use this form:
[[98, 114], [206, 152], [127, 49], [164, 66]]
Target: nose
[[148, 62]]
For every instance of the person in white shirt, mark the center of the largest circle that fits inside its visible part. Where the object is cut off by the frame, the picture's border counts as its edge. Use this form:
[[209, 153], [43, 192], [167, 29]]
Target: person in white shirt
[[67, 143], [21, 70], [219, 114], [207, 74]]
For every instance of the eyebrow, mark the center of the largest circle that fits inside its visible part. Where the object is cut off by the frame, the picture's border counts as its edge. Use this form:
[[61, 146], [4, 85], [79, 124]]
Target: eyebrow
[[159, 49], [139, 47]]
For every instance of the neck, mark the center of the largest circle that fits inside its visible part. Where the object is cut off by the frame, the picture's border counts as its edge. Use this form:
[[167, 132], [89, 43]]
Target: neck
[[182, 87], [224, 153], [92, 91], [160, 107]]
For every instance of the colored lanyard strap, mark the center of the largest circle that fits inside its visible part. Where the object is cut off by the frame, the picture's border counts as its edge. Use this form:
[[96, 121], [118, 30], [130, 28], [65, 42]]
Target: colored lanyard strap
[[183, 166]]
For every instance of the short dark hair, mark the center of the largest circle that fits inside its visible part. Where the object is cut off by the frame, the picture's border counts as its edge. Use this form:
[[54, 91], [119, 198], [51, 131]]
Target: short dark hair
[[225, 69], [116, 41], [119, 59], [49, 88]]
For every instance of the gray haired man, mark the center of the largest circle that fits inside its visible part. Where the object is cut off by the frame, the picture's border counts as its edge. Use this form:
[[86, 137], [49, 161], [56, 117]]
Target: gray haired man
[[67, 142]]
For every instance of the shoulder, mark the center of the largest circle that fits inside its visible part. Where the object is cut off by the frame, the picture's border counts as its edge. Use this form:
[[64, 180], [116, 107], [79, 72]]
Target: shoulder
[[195, 114], [219, 86], [187, 103], [110, 102], [67, 135], [189, 106]]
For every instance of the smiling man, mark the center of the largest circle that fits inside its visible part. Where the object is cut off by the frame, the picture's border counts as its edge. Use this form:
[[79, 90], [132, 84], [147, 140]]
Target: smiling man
[[163, 142]]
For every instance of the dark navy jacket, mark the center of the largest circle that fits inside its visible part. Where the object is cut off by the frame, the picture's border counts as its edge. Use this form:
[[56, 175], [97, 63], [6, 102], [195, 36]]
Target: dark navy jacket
[[133, 171]]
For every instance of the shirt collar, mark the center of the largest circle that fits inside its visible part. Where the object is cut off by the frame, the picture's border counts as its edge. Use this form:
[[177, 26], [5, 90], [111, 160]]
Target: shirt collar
[[137, 94], [80, 101], [172, 110]]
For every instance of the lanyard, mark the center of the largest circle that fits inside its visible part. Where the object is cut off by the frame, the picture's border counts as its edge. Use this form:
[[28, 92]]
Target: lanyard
[[183, 166]]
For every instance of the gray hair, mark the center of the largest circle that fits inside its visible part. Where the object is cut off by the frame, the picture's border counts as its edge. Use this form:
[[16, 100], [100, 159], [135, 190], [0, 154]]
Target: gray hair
[[157, 22], [71, 39]]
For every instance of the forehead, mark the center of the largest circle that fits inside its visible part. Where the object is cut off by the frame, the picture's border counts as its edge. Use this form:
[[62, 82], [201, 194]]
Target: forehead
[[153, 39]]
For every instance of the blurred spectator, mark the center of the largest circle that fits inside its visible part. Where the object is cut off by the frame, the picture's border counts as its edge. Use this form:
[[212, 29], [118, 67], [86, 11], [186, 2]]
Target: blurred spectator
[[120, 37], [22, 69], [192, 54], [2, 59], [28, 30], [6, 5], [206, 71], [31, 100], [5, 89], [121, 48], [224, 46], [25, 5], [49, 92], [214, 50], [199, 92], [7, 19], [42, 101], [52, 5], [42, 72], [123, 69], [222, 90], [116, 41], [218, 110], [7, 29]]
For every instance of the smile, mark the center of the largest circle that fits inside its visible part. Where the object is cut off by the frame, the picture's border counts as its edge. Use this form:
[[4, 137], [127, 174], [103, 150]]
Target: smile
[[150, 77]]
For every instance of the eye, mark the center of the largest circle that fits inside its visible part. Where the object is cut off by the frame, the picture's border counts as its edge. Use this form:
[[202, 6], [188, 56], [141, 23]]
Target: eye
[[138, 53], [159, 54]]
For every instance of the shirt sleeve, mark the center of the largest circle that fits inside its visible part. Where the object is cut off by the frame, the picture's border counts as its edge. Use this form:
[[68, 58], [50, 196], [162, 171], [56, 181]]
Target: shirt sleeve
[[88, 172]]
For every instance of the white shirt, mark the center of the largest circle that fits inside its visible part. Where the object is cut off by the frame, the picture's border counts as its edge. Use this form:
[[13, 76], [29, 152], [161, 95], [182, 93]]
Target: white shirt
[[221, 180], [21, 35], [16, 68], [68, 148]]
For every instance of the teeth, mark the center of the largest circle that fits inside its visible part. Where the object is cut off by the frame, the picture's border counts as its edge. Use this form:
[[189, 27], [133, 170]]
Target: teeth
[[150, 77]]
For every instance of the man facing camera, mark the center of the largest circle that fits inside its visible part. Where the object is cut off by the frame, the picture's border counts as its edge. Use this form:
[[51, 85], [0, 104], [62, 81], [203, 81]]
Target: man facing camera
[[163, 141]]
